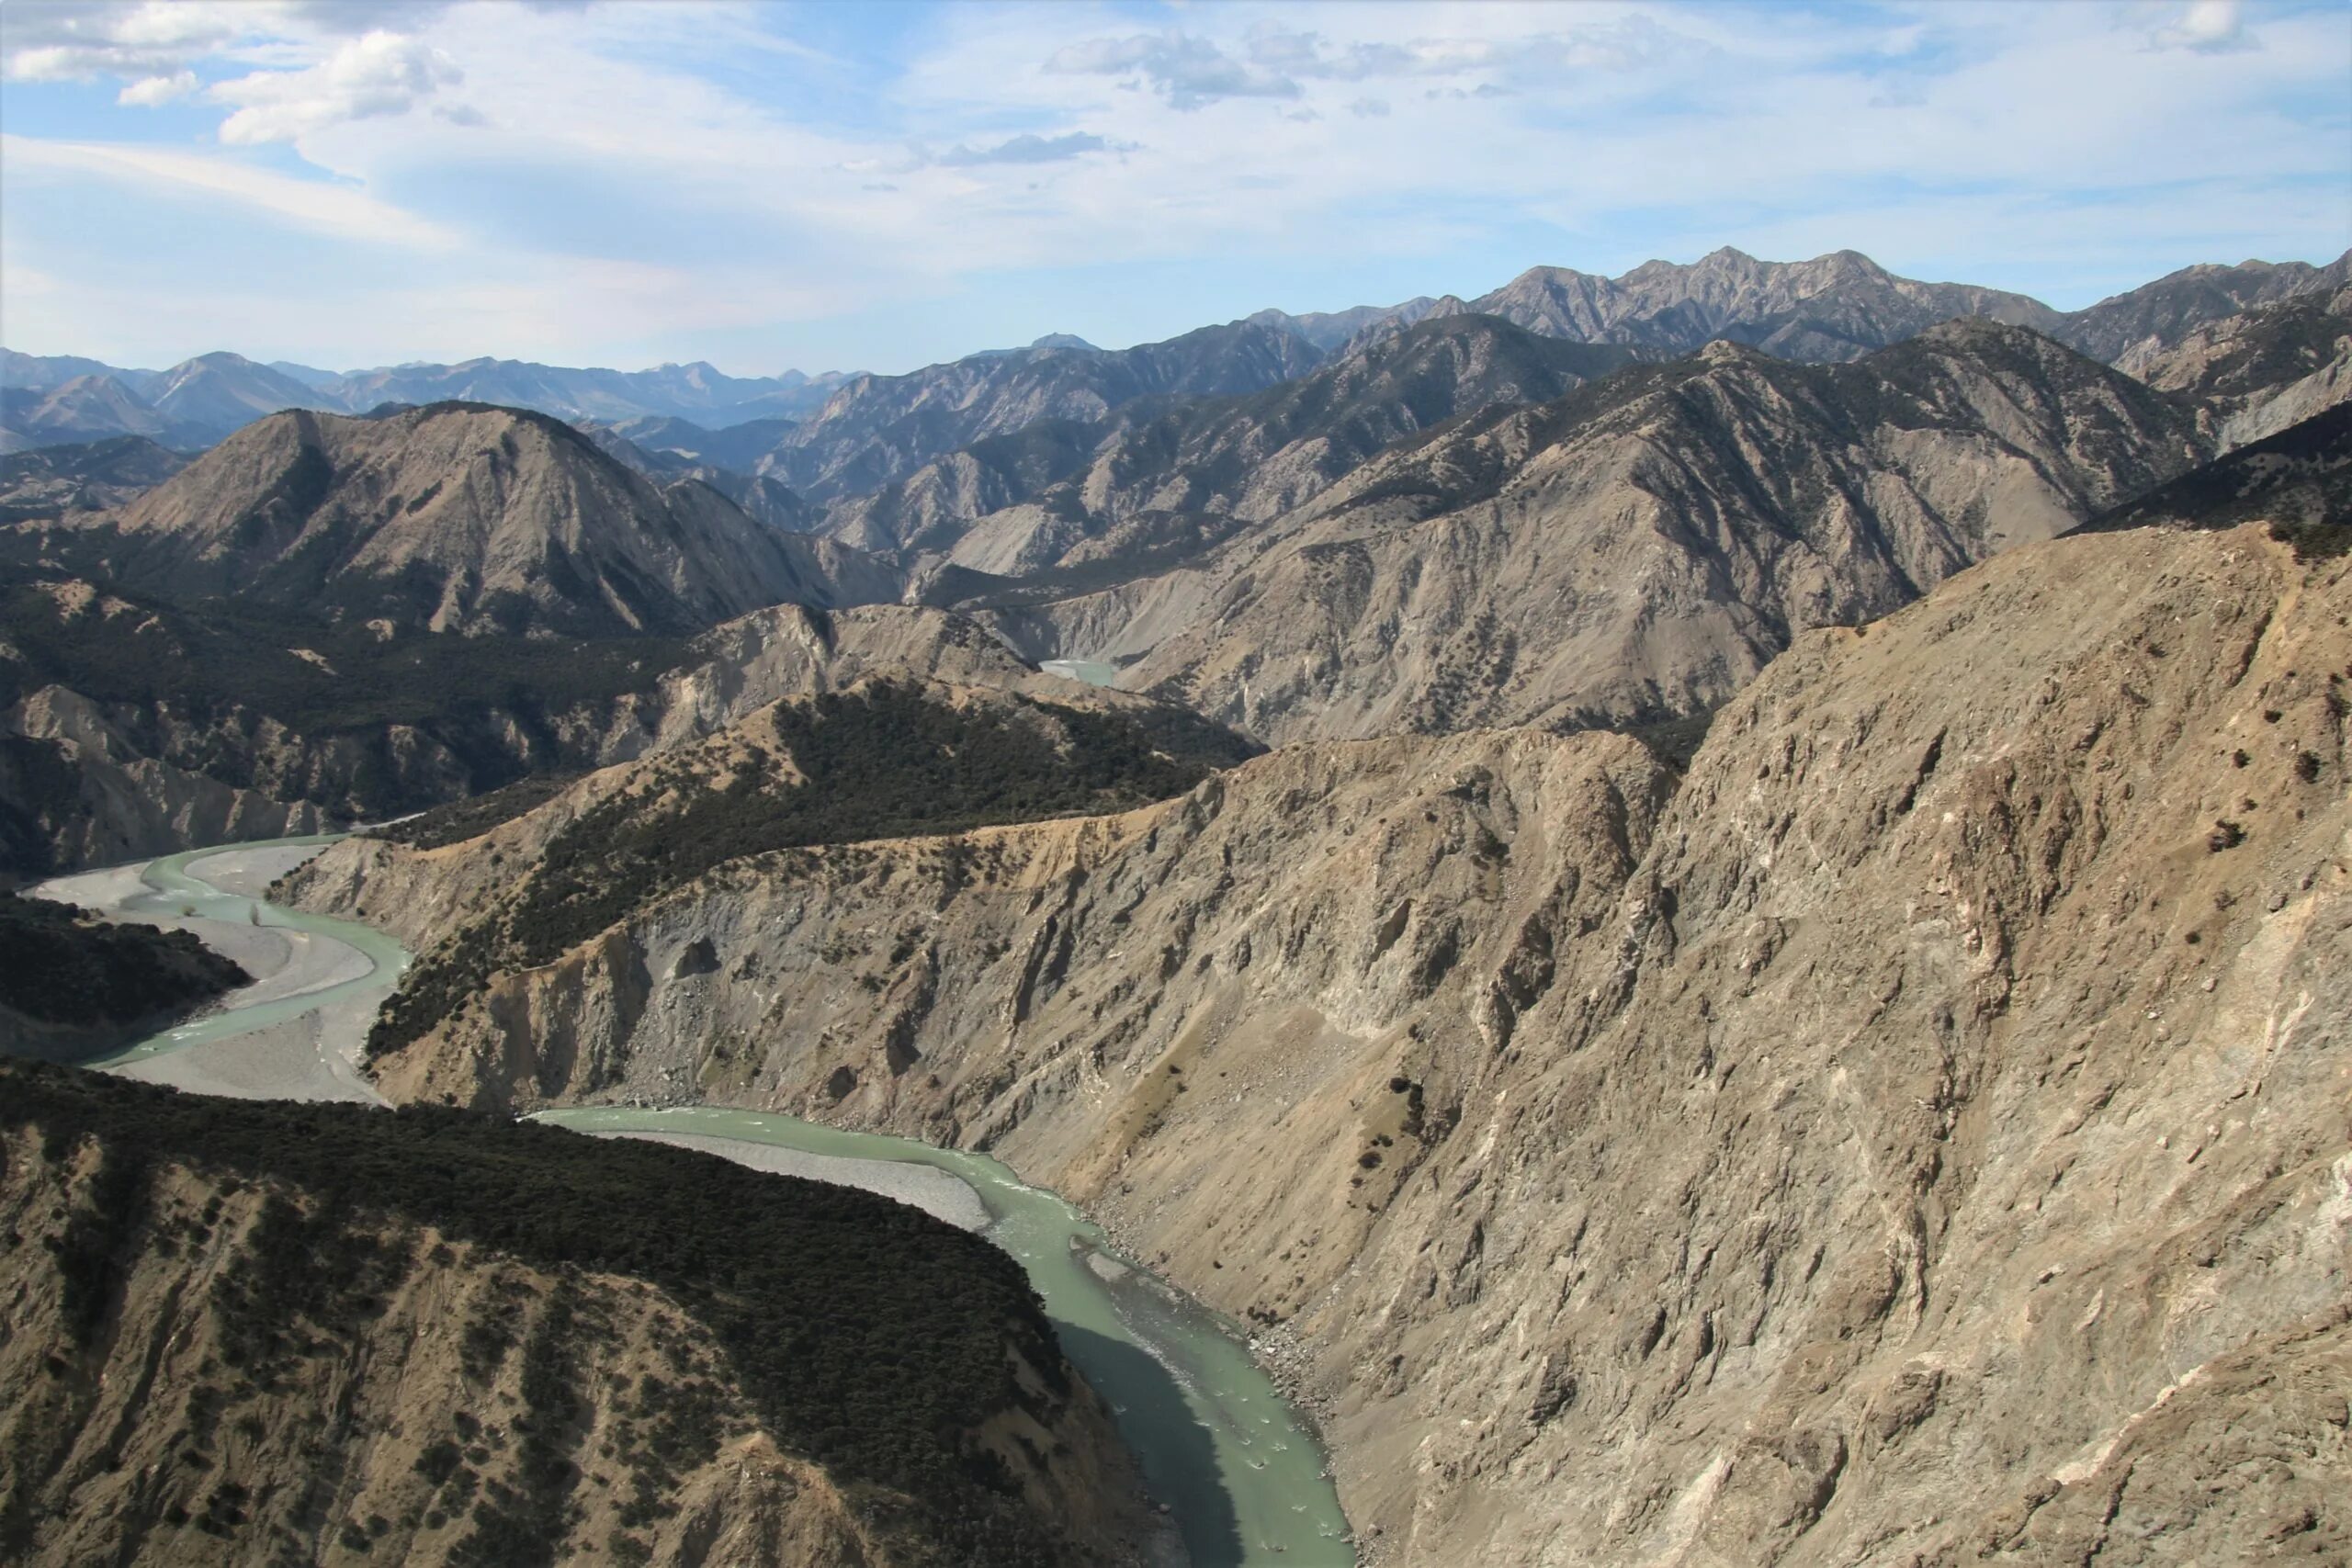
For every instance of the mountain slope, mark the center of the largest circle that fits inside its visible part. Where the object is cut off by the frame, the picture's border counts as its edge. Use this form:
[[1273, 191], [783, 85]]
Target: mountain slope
[[87, 407], [457, 517], [1636, 549], [666, 391], [877, 428], [1019, 504], [2299, 480], [1916, 1131], [763, 499], [1835, 307], [2128, 328], [131, 727], [90, 477], [74, 985], [223, 391], [2255, 373], [262, 1330]]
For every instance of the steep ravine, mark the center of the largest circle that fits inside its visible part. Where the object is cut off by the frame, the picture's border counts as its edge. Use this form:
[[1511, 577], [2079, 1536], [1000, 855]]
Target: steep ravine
[[1919, 1134]]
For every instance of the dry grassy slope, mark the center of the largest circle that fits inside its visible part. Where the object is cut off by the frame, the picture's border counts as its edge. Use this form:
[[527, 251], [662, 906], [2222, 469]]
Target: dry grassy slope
[[1922, 1137], [1645, 546], [174, 1437]]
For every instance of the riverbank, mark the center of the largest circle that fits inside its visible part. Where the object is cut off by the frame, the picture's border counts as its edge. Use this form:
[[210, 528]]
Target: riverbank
[[1242, 1474], [297, 1054], [941, 1195]]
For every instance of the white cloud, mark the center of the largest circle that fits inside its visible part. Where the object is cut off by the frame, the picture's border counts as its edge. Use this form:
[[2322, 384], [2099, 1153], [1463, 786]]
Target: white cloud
[[62, 44], [375, 75], [150, 91], [314, 205], [2208, 27], [1190, 73]]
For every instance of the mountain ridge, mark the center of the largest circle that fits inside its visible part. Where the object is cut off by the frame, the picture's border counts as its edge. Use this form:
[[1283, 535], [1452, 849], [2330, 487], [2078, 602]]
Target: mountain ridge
[[457, 516], [1836, 306]]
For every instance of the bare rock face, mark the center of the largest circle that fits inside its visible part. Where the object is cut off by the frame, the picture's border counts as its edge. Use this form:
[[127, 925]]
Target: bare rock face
[[1919, 1134], [1637, 549], [1024, 503], [2254, 374], [1836, 307], [79, 791], [460, 517]]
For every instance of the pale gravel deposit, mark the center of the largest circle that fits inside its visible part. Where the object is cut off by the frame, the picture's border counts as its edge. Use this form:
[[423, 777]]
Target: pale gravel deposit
[[934, 1191], [248, 872], [279, 1061], [312, 1056]]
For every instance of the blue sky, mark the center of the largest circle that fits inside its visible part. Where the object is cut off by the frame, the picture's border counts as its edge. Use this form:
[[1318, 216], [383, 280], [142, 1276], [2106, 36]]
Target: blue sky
[[881, 185]]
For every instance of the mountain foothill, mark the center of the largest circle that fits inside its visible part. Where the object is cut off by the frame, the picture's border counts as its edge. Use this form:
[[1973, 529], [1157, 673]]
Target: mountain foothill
[[1717, 901]]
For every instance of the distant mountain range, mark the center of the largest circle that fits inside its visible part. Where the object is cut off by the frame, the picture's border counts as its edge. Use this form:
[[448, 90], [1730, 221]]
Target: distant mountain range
[[55, 401], [857, 433]]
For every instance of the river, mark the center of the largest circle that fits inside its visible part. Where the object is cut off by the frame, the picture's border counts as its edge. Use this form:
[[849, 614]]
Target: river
[[1244, 1479]]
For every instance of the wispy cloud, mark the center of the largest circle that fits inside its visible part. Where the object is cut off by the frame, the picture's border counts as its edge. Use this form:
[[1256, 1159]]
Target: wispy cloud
[[1189, 72], [889, 186], [317, 206], [1028, 149]]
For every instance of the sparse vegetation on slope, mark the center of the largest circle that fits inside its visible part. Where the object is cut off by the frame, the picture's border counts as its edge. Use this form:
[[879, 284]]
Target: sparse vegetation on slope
[[63, 966], [869, 1336], [885, 760]]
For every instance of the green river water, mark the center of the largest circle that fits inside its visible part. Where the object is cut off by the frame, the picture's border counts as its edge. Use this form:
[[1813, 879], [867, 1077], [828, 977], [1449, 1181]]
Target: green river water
[[1245, 1480], [171, 888]]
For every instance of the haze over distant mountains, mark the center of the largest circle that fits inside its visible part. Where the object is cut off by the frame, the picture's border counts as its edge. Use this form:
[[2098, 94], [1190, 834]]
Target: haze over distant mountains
[[53, 401], [864, 431]]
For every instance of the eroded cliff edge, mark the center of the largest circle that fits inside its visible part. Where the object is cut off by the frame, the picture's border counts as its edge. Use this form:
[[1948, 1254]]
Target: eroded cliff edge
[[1920, 1133]]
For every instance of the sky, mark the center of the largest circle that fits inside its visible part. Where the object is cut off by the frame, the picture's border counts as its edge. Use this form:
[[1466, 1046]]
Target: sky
[[882, 186]]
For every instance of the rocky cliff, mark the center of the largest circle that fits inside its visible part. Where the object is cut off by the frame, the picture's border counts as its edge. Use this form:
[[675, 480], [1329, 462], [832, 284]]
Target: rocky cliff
[[1638, 548], [1056, 494], [481, 1345], [1919, 1134]]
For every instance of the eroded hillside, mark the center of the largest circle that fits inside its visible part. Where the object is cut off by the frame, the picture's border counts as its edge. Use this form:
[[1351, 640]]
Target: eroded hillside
[[455, 517], [128, 728], [1638, 548], [1920, 1133], [244, 1333]]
